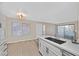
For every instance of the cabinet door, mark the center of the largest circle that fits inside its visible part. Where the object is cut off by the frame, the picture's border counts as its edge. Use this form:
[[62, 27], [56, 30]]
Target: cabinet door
[[42, 47], [3, 49], [47, 49], [53, 49], [49, 52], [65, 53]]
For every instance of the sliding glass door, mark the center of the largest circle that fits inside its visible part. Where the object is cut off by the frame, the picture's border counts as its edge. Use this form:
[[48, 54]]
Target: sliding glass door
[[69, 32], [66, 31]]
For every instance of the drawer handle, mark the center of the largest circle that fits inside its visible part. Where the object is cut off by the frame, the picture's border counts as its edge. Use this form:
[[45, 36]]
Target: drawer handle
[[47, 50]]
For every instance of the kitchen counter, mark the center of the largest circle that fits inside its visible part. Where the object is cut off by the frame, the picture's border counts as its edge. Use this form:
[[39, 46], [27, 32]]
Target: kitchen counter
[[68, 46]]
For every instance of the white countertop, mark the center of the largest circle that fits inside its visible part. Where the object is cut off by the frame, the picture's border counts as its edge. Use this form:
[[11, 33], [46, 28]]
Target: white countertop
[[68, 46]]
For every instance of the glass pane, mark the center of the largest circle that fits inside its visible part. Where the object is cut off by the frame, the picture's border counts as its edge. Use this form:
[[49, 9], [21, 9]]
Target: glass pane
[[69, 32], [16, 29], [25, 28], [60, 31]]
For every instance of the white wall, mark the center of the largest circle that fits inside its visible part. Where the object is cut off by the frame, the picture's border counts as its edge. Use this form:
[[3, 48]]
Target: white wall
[[12, 39]]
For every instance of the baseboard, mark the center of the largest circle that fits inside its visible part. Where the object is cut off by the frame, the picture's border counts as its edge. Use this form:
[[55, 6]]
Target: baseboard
[[19, 41]]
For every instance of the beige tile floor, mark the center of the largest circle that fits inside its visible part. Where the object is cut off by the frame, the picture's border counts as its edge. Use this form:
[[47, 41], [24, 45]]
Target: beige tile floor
[[25, 48]]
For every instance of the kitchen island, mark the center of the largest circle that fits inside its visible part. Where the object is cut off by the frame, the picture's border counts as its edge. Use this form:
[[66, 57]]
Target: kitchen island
[[50, 48]]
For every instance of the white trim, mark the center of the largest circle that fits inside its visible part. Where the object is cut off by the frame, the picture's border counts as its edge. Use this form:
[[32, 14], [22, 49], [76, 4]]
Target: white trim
[[16, 41]]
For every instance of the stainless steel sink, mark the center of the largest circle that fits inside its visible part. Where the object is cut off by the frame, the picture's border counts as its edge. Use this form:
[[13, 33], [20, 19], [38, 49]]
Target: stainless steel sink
[[55, 40]]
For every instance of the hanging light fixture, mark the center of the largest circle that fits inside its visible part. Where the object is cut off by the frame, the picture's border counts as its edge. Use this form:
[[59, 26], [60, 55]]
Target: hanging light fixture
[[20, 15]]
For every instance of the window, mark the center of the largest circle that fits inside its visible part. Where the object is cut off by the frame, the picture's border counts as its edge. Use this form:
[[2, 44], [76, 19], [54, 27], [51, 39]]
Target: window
[[66, 31], [60, 31], [19, 29], [69, 32], [25, 28], [16, 29]]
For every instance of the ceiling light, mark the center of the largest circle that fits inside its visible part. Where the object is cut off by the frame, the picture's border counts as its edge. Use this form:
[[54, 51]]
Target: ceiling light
[[20, 15]]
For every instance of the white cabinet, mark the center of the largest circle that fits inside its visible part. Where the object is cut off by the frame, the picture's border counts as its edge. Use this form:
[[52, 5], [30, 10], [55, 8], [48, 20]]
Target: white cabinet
[[3, 48], [55, 50], [42, 48], [65, 53], [3, 45], [47, 49], [50, 52]]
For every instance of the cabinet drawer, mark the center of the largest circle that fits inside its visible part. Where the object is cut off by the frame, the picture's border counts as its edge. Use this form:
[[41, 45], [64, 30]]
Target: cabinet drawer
[[5, 53], [51, 53], [3, 48], [65, 53], [56, 50]]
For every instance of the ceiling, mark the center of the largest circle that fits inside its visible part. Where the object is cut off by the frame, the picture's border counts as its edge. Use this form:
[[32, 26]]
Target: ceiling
[[53, 12]]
